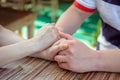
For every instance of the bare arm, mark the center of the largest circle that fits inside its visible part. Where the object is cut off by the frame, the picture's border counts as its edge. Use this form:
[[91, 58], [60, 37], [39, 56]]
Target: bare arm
[[71, 19], [45, 38], [108, 60], [17, 51], [80, 58], [7, 37]]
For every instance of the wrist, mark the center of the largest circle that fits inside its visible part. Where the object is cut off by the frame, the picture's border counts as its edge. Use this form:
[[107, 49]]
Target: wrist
[[99, 62], [40, 44], [35, 44]]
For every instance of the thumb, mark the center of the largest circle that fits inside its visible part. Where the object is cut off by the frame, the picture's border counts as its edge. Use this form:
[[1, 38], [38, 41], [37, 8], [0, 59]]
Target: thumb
[[56, 49], [65, 35]]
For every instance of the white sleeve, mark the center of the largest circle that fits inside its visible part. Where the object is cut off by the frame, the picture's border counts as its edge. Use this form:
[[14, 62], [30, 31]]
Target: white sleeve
[[87, 3]]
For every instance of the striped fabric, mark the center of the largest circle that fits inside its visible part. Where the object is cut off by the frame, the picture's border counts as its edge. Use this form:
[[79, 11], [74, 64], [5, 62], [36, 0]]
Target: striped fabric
[[109, 11]]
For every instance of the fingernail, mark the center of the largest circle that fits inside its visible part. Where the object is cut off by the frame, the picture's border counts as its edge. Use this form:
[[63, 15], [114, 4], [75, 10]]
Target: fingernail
[[65, 46]]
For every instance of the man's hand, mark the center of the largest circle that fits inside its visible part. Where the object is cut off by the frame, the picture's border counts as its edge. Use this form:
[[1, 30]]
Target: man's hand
[[77, 57]]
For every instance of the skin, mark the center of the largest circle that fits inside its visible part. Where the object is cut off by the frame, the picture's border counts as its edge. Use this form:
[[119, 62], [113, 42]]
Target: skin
[[78, 57], [13, 47], [71, 19], [50, 52]]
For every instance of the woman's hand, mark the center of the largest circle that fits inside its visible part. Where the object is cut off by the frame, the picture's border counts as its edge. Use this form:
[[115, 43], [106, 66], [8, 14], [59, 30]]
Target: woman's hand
[[46, 36], [51, 52]]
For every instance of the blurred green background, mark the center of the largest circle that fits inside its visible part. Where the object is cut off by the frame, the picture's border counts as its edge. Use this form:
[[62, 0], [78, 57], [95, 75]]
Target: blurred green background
[[87, 33]]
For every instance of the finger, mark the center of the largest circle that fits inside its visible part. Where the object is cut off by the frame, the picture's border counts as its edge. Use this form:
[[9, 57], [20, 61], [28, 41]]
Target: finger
[[66, 36], [60, 58], [57, 48], [63, 65], [59, 41], [64, 52], [49, 25]]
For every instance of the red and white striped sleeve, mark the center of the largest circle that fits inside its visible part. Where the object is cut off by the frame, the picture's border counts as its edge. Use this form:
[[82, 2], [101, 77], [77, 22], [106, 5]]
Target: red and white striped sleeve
[[85, 5]]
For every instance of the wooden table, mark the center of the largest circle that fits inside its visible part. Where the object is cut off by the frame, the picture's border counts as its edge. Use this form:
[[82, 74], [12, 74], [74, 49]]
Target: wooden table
[[37, 69], [15, 19]]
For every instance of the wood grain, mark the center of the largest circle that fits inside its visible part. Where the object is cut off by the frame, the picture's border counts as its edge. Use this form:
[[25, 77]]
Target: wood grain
[[37, 69]]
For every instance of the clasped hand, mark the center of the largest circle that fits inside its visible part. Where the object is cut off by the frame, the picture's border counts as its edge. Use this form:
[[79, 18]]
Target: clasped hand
[[68, 52]]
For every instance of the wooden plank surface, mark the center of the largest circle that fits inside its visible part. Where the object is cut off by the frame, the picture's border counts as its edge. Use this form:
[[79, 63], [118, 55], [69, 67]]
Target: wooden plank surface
[[37, 69]]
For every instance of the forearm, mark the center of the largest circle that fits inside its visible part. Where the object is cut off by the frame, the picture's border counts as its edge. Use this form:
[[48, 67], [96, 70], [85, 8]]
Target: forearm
[[108, 60], [20, 48], [8, 37], [71, 20], [17, 51]]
